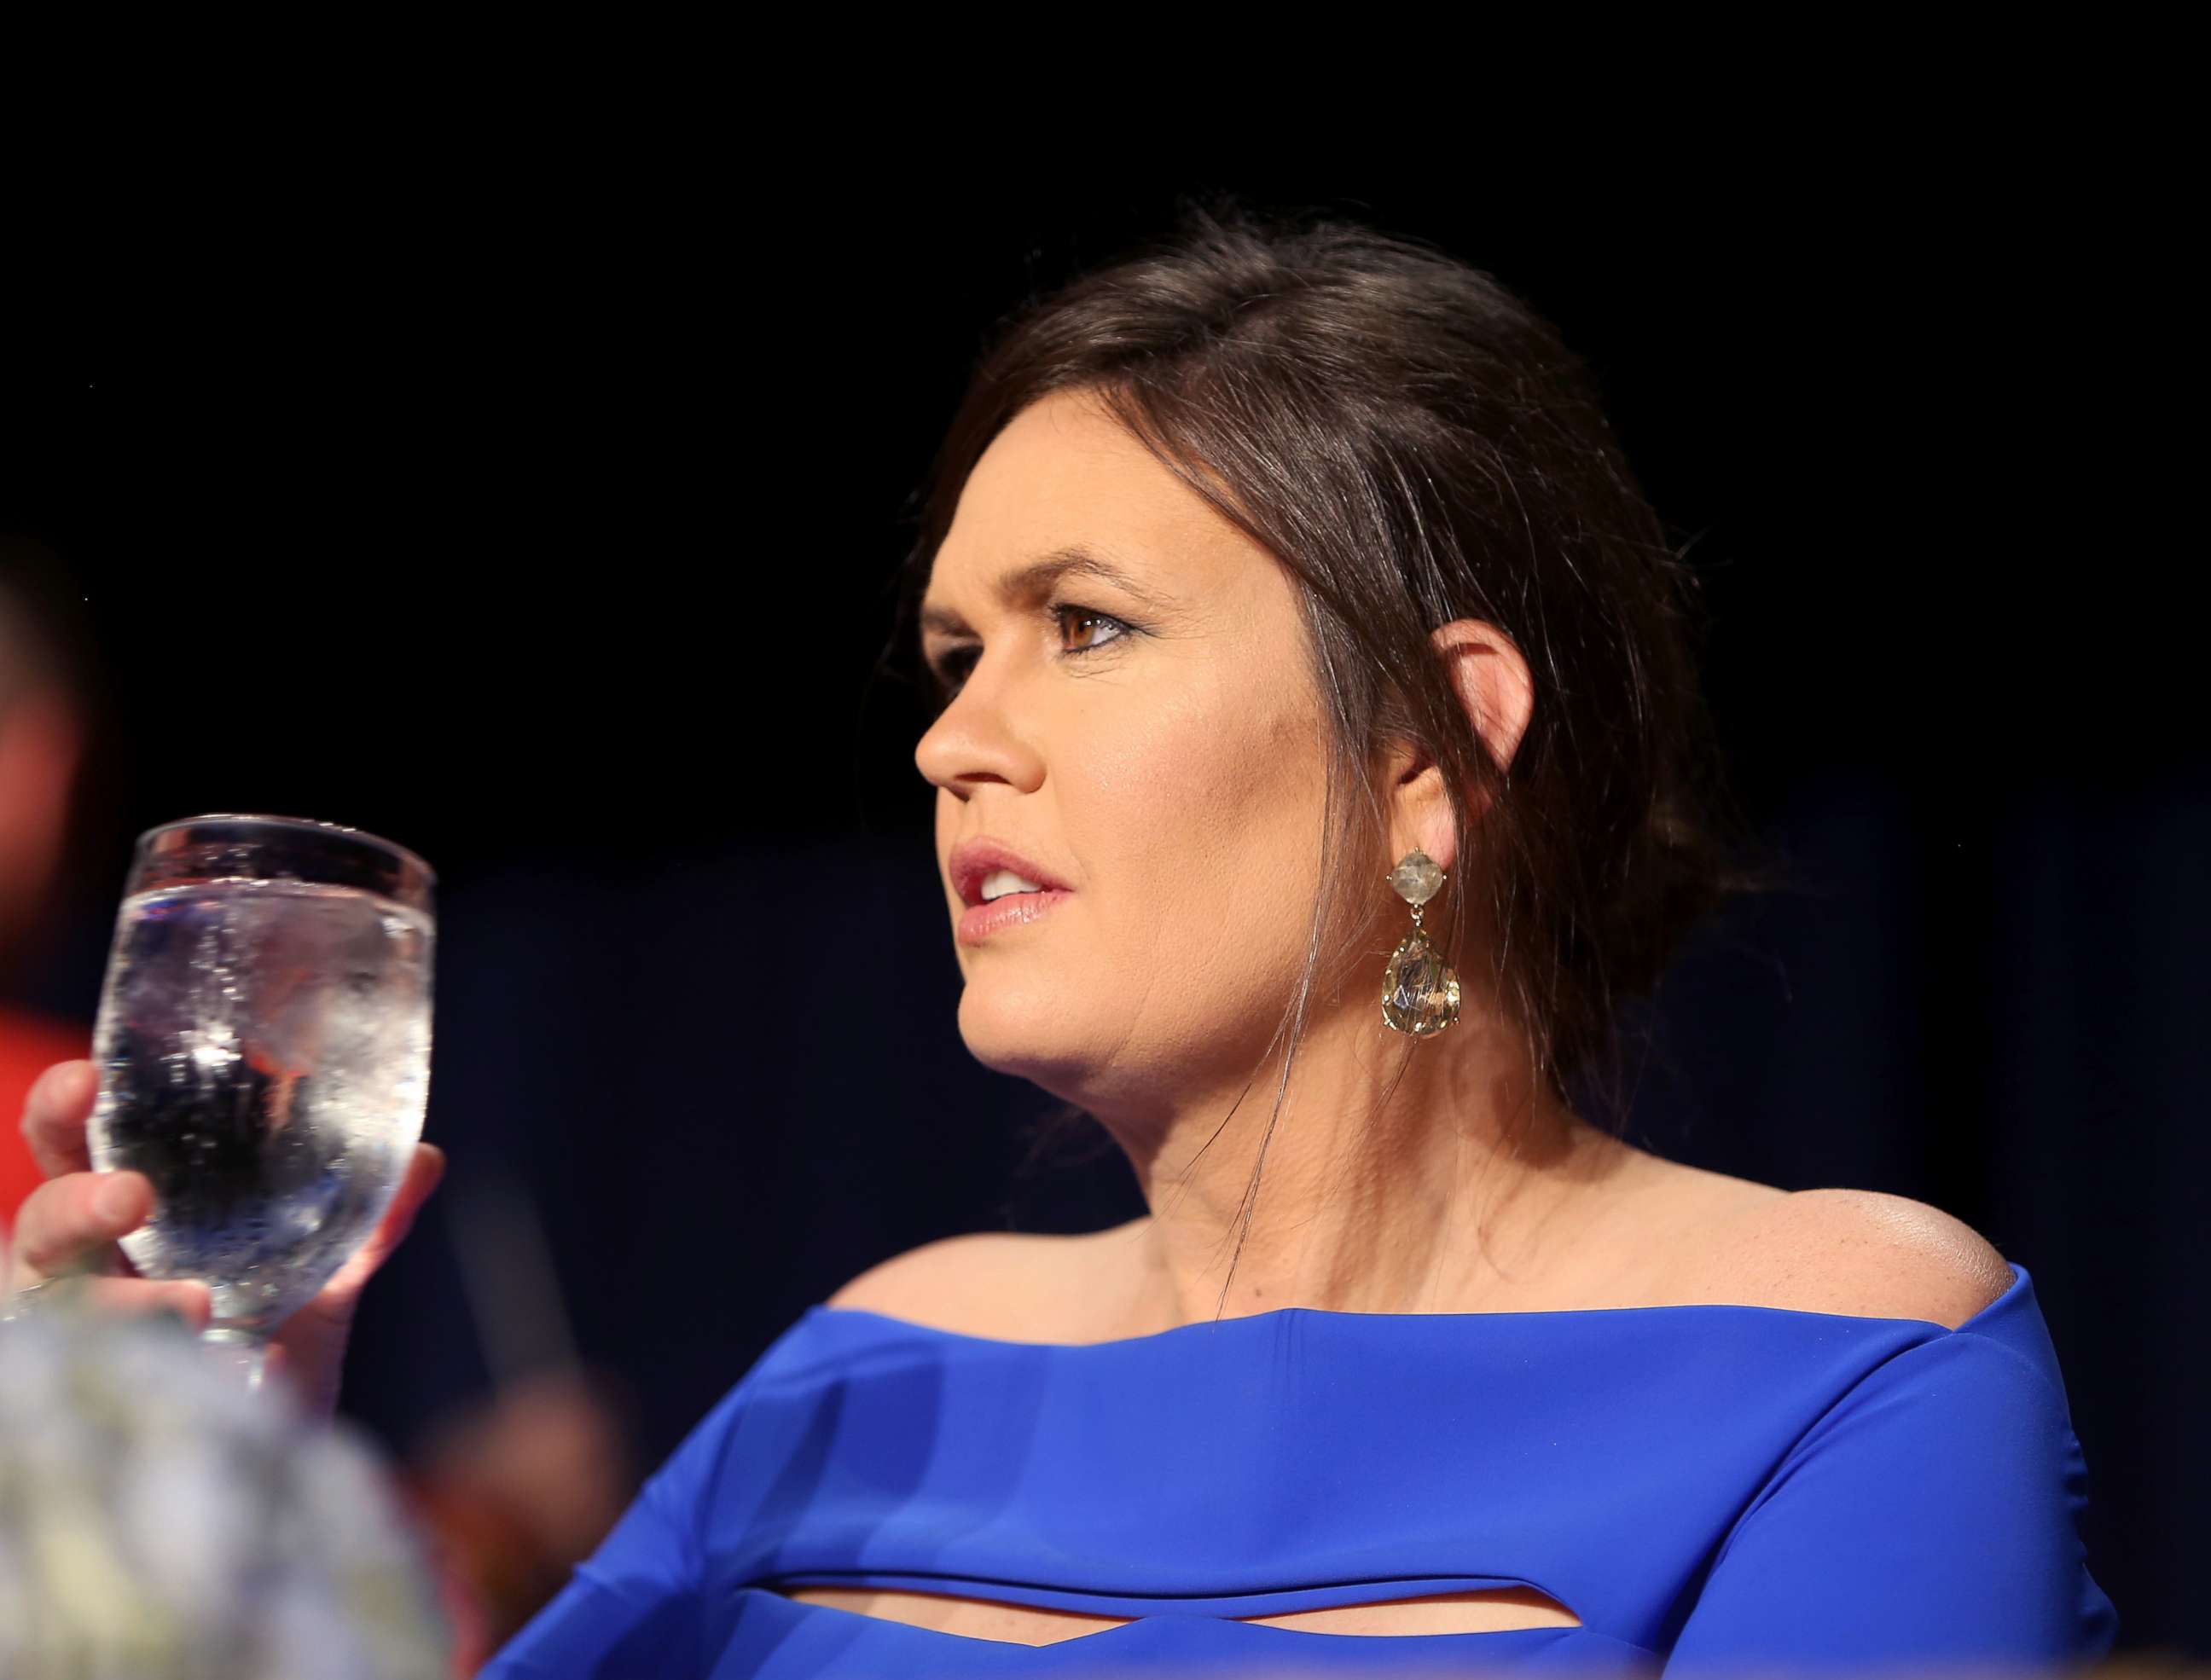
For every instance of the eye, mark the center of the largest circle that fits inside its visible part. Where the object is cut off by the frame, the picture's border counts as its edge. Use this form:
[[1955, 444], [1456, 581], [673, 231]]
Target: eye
[[1089, 615], [950, 667]]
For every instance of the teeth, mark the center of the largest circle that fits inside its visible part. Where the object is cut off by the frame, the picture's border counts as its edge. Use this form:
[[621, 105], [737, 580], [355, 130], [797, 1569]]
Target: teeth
[[999, 882]]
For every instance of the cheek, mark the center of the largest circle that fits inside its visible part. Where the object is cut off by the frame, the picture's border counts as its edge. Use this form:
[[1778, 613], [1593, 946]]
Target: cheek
[[947, 834], [1198, 825], [947, 810]]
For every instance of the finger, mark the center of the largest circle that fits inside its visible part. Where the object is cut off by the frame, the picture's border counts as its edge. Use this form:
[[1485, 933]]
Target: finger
[[54, 1116], [425, 1169], [283, 1370], [70, 1224], [425, 1173], [144, 1297], [312, 1341]]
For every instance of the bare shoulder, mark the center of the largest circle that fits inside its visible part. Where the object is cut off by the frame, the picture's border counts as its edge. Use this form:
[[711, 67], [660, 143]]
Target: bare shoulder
[[1863, 1252], [977, 1283]]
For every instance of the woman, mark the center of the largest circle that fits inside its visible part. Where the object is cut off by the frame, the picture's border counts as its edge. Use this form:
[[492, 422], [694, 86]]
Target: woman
[[1302, 637]]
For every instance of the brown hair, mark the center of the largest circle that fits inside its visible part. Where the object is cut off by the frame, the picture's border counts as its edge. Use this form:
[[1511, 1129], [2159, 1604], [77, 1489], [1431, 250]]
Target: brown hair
[[1416, 445]]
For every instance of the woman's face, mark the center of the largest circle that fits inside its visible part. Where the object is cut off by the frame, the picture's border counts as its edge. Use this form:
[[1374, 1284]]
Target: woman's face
[[1158, 745]]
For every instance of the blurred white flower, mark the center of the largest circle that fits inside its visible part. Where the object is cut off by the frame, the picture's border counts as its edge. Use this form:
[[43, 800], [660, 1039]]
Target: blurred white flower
[[159, 1521]]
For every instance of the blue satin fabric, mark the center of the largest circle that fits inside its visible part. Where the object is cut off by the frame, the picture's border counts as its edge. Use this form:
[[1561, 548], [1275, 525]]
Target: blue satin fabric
[[1704, 1487]]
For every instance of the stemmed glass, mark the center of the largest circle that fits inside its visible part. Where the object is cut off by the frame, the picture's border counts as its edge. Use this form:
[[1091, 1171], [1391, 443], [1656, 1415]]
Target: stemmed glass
[[263, 1046]]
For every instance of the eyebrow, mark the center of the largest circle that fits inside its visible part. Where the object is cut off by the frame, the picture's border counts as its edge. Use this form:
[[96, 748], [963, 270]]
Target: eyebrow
[[1071, 560]]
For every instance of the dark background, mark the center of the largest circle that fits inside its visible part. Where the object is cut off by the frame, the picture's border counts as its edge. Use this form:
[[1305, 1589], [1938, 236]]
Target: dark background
[[548, 530]]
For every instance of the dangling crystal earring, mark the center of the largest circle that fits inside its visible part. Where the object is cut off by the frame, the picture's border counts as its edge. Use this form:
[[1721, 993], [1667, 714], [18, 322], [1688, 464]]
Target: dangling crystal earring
[[1420, 990]]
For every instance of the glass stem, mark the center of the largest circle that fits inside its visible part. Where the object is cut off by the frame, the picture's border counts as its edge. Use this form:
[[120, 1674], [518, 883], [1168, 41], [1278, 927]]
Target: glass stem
[[241, 1351]]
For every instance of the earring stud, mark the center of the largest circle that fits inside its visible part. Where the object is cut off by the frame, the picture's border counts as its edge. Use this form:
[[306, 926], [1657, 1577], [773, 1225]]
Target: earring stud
[[1420, 990]]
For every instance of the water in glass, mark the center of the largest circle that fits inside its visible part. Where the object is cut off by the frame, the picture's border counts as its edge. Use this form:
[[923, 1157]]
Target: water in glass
[[264, 1050]]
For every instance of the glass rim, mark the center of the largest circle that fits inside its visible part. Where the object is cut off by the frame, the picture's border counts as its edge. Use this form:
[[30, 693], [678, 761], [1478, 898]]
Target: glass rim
[[406, 854]]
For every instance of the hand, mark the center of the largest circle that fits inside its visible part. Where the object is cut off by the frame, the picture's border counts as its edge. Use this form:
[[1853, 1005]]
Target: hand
[[70, 1225]]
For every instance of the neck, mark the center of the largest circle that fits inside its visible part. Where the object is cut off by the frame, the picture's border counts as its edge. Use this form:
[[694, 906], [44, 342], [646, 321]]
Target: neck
[[1426, 1191]]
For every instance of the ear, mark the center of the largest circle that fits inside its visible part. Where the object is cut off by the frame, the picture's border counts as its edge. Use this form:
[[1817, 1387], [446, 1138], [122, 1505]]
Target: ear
[[1495, 688]]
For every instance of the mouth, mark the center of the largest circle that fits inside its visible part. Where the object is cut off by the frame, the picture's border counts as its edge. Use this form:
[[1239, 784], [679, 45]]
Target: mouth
[[982, 862]]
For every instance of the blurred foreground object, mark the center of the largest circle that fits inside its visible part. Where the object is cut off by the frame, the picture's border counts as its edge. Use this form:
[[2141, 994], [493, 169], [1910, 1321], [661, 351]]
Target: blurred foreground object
[[158, 1521]]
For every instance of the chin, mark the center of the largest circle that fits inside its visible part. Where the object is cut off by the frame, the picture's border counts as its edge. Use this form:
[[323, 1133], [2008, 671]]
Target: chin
[[1021, 1030]]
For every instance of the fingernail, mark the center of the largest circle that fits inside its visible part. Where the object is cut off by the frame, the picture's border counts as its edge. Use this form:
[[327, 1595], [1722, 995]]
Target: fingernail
[[115, 1201]]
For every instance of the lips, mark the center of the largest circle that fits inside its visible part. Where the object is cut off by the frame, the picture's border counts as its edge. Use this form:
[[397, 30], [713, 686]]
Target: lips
[[976, 859], [973, 859], [978, 922]]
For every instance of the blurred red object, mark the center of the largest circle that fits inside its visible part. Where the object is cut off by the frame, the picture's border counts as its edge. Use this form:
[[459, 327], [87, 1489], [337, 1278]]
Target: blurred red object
[[43, 740], [29, 1044]]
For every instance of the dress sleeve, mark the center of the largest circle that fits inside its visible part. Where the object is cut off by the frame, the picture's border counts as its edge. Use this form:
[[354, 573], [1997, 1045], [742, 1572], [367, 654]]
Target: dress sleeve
[[633, 1606], [1930, 1516]]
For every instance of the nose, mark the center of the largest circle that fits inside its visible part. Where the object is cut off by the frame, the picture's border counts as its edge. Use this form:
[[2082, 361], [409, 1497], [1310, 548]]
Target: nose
[[977, 740]]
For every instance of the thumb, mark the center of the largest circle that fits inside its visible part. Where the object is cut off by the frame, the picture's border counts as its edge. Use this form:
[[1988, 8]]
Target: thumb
[[425, 1171]]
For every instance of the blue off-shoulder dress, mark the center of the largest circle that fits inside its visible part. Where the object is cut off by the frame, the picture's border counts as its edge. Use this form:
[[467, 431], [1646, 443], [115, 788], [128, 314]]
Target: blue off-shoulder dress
[[1703, 1487]]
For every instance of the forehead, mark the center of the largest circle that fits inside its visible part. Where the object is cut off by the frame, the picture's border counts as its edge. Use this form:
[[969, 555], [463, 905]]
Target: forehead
[[1063, 473]]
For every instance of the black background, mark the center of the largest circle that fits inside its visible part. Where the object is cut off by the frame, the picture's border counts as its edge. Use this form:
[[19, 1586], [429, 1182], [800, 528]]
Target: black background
[[543, 520]]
